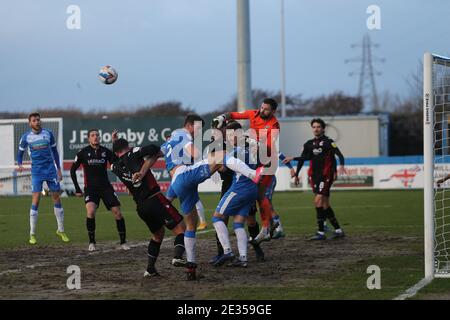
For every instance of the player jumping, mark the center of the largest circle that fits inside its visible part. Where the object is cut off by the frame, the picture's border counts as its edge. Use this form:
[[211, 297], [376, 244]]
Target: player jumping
[[227, 177], [266, 126], [132, 168], [178, 152], [199, 205], [45, 166], [321, 152], [236, 202], [94, 159]]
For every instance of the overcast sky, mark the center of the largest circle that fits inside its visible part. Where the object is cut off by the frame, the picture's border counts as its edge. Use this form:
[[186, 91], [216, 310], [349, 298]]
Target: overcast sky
[[186, 49]]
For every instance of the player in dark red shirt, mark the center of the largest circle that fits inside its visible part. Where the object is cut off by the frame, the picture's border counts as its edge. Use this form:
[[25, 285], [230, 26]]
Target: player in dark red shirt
[[94, 160], [132, 168], [321, 153]]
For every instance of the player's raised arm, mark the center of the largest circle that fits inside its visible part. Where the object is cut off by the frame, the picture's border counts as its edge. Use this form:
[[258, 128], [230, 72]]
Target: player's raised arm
[[114, 135], [219, 121], [73, 174], [247, 114], [150, 154]]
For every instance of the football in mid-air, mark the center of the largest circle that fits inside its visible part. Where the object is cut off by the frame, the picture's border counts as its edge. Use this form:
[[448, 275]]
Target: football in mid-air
[[107, 75]]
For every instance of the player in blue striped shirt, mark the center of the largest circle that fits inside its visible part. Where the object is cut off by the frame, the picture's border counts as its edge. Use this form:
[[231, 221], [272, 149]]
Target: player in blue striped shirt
[[45, 166]]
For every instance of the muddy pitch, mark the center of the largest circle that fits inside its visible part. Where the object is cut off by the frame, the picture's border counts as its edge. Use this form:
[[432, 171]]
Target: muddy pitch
[[40, 272]]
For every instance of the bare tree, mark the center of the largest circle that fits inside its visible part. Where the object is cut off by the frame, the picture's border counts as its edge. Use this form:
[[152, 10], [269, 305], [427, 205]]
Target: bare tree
[[334, 104]]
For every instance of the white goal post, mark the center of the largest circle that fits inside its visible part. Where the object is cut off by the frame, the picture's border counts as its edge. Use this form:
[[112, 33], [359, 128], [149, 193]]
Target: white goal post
[[436, 117]]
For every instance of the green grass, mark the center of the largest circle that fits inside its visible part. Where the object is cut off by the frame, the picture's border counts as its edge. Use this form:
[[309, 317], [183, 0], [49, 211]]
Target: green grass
[[395, 212], [392, 213]]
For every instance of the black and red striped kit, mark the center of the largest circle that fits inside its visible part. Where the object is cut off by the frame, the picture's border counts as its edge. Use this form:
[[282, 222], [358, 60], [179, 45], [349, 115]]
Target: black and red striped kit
[[152, 206], [94, 162], [321, 153]]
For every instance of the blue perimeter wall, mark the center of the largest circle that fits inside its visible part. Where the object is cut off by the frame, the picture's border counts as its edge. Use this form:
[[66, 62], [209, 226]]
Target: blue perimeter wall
[[383, 160]]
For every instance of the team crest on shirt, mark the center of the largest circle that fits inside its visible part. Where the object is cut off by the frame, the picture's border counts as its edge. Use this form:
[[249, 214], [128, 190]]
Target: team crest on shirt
[[103, 154], [321, 143]]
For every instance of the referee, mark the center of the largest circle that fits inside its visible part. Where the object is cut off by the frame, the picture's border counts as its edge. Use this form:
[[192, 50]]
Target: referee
[[94, 158]]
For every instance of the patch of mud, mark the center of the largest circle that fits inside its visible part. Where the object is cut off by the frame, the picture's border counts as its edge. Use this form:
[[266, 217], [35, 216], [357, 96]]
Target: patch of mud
[[40, 272]]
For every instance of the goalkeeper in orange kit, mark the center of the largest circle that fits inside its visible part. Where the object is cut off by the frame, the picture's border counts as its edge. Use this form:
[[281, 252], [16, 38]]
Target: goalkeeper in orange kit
[[265, 129]]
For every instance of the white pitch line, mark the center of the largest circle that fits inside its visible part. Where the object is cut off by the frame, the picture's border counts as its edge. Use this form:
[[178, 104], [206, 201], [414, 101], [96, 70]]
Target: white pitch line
[[43, 264], [362, 206], [411, 292]]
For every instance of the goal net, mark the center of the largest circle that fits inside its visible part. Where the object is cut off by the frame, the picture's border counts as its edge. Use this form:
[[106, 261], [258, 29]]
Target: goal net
[[13, 182], [437, 165]]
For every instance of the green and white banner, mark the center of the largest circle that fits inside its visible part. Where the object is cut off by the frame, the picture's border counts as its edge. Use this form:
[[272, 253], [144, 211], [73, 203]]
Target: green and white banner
[[137, 130]]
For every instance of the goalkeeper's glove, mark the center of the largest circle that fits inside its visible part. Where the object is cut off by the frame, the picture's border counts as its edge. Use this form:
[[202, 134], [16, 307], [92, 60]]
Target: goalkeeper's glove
[[252, 143], [218, 122]]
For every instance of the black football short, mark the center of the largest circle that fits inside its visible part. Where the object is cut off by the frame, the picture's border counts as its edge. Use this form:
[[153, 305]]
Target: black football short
[[321, 185], [107, 195], [157, 212]]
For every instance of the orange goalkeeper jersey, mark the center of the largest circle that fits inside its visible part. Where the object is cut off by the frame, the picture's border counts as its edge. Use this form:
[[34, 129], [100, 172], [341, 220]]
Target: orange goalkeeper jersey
[[260, 125]]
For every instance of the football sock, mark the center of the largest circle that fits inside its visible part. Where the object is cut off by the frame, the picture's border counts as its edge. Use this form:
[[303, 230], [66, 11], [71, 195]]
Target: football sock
[[329, 213], [200, 211], [153, 252], [121, 230], [222, 234], [189, 244], [90, 226], [219, 246], [33, 218], [265, 212], [59, 214], [320, 218], [178, 244], [253, 230], [242, 240]]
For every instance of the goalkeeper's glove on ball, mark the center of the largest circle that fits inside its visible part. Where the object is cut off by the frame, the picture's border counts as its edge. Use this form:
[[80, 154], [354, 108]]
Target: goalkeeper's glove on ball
[[219, 122]]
